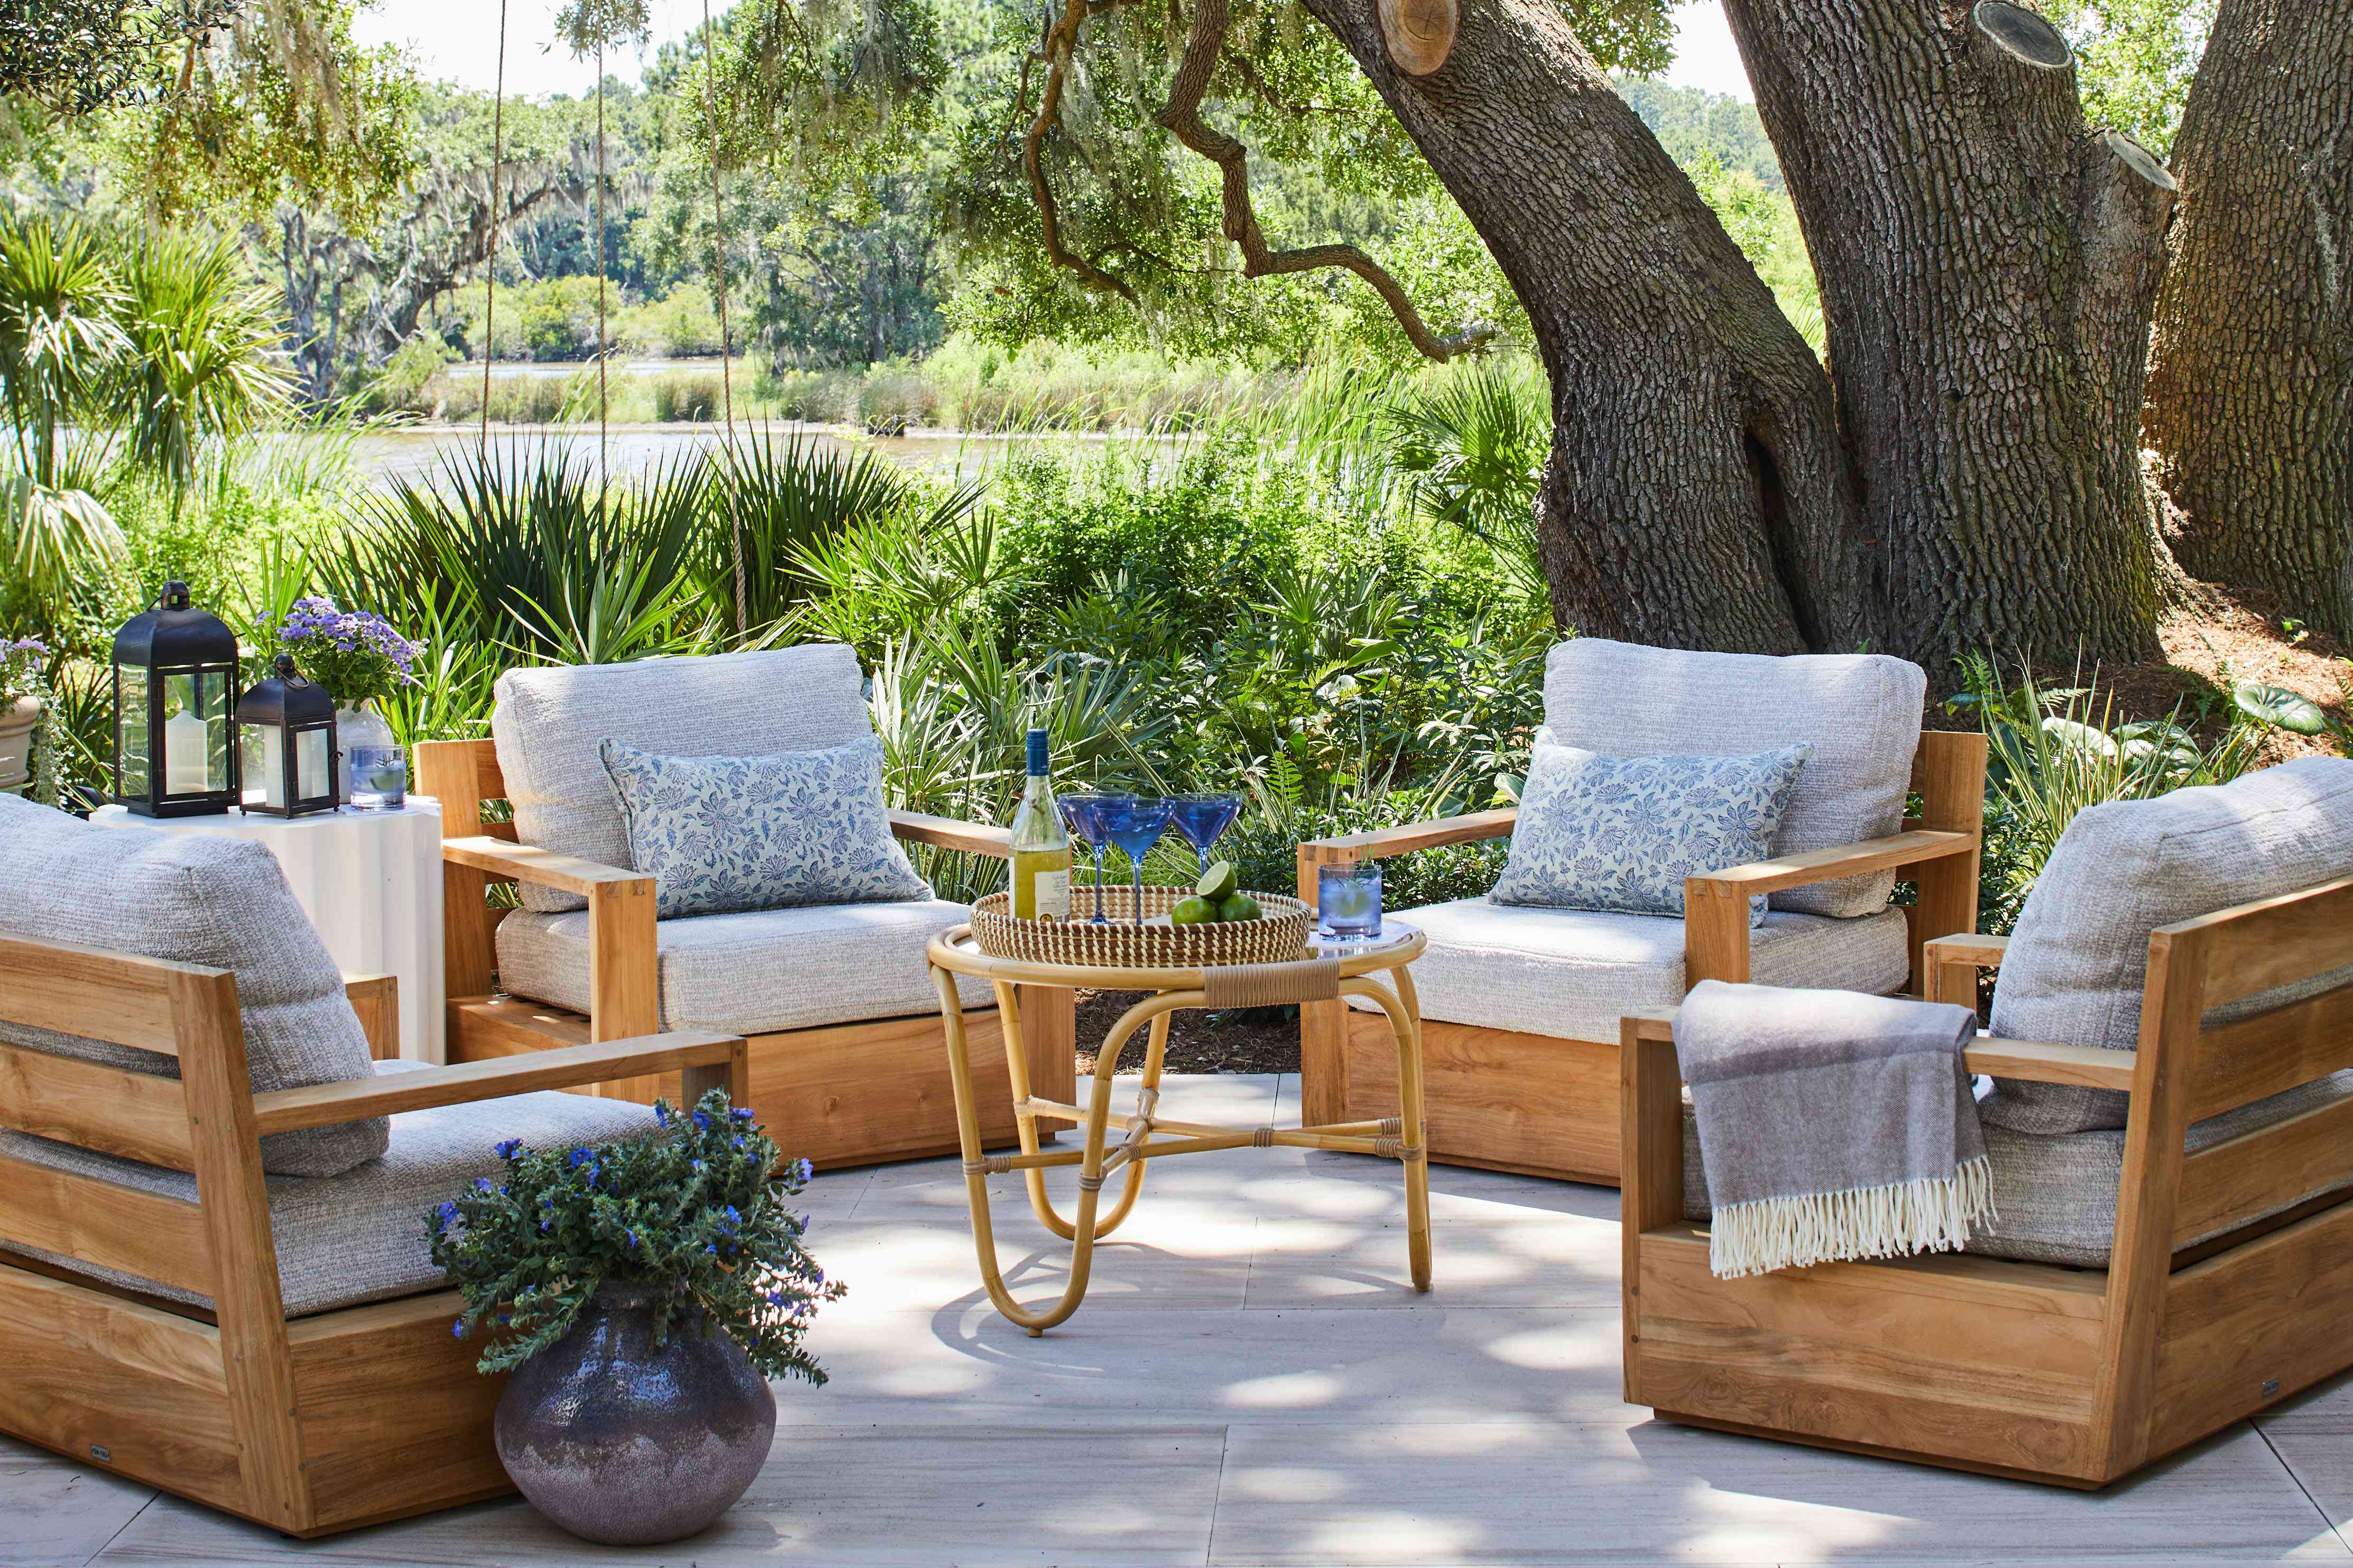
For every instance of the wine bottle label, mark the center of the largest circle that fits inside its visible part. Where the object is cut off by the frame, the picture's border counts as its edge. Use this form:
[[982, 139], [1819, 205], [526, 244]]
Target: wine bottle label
[[1053, 895]]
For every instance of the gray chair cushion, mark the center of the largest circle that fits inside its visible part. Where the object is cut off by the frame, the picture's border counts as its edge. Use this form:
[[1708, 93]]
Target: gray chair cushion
[[2057, 1193], [1623, 833], [754, 973], [1573, 973], [1861, 713], [195, 898], [2079, 958], [723, 833], [549, 724], [360, 1236]]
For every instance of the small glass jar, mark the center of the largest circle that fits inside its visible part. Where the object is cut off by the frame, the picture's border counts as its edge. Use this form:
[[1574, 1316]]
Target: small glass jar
[[375, 768], [1348, 901]]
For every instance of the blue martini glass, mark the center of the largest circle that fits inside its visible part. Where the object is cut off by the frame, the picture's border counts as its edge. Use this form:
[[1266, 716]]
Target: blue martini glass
[[1083, 814], [1136, 824], [1202, 820]]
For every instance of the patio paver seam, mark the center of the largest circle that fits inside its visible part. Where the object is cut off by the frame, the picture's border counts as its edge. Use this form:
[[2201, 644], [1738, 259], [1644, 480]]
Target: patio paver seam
[[2257, 1427]]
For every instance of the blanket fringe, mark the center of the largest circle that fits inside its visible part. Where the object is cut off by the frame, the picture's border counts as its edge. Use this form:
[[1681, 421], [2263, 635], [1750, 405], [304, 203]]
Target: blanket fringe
[[1931, 1215]]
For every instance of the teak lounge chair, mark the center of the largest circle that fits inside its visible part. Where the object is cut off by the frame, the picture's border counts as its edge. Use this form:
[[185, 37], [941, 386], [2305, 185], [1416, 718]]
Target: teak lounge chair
[[848, 1062], [277, 1348], [1520, 1006], [2210, 1218]]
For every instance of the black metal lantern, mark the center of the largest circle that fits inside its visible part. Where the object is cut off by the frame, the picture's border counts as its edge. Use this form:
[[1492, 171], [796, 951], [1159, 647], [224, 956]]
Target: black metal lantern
[[175, 666], [286, 745]]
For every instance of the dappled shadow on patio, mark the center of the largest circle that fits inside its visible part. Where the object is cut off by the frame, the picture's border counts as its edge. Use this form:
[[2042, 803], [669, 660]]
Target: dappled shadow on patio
[[1252, 1380]]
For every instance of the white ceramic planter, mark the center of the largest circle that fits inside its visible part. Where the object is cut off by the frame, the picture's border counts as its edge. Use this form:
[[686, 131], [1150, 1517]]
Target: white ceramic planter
[[17, 722]]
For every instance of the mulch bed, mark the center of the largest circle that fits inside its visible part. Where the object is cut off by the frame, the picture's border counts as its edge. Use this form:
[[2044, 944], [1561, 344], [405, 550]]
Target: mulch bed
[[1257, 1039]]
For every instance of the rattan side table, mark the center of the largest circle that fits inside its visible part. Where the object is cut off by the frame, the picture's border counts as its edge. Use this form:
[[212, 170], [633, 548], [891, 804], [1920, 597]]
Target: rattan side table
[[1338, 971]]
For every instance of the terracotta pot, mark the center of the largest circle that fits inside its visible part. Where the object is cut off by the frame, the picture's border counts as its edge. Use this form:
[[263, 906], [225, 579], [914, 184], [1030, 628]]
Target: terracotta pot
[[16, 721]]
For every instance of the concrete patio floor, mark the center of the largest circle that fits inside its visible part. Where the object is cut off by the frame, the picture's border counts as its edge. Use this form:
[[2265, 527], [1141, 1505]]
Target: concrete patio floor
[[1251, 1381]]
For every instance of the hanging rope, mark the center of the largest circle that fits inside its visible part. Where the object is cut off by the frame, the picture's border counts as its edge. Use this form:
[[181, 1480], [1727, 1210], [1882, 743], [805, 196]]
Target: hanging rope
[[719, 241], [491, 271], [604, 472]]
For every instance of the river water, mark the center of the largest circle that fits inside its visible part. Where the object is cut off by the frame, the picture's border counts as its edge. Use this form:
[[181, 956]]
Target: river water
[[412, 453]]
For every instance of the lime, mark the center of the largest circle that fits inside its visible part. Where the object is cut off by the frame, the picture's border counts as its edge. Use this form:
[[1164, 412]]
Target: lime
[[1217, 884], [1193, 912], [1241, 907]]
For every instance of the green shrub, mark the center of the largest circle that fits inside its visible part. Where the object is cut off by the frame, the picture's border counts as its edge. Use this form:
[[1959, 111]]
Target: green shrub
[[695, 1209]]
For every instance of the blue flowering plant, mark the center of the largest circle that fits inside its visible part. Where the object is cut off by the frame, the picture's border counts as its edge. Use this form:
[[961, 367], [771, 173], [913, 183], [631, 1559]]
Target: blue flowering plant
[[351, 653], [694, 1209]]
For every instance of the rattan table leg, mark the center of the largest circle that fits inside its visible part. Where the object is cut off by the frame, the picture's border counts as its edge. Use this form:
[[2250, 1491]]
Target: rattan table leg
[[1413, 1151]]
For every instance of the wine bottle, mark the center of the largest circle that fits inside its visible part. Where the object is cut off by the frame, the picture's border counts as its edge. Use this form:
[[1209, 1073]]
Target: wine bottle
[[1041, 846]]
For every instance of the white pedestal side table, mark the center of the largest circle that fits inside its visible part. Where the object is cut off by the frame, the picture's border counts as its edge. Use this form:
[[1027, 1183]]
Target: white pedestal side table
[[371, 883]]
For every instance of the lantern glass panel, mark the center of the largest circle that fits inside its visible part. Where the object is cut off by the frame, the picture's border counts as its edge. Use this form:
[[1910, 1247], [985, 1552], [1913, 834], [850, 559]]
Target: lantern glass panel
[[196, 732], [264, 775], [131, 732], [311, 764]]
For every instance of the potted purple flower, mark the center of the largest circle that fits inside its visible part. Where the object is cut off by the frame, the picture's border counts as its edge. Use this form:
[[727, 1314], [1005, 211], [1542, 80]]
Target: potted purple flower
[[20, 707], [359, 659]]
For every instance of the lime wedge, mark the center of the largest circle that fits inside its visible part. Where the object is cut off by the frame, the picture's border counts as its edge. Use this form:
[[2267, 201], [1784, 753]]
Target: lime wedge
[[1218, 885]]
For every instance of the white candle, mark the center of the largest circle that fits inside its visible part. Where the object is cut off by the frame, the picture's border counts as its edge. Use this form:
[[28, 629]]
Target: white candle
[[188, 745]]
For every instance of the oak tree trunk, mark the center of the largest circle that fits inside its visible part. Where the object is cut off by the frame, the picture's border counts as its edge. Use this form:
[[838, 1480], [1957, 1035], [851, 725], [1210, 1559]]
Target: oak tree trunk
[[2251, 382], [1987, 268], [1696, 495]]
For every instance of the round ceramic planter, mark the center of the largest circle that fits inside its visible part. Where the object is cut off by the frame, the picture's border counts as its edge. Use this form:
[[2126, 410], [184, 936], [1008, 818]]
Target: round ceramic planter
[[17, 722], [628, 1443]]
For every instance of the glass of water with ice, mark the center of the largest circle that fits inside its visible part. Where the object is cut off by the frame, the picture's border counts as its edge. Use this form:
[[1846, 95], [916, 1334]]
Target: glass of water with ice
[[1348, 901]]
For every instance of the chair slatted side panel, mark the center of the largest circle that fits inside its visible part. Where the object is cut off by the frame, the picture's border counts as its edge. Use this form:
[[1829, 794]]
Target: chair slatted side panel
[[88, 991], [2276, 942], [137, 1115], [2259, 946], [2258, 1173], [2245, 1061], [101, 1223], [1949, 775]]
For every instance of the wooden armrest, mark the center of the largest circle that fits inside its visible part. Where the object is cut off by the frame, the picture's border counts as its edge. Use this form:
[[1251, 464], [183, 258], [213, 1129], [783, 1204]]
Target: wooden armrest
[[375, 998], [2093, 1067], [567, 873], [948, 832], [1829, 865], [1383, 842], [1976, 951], [568, 1066]]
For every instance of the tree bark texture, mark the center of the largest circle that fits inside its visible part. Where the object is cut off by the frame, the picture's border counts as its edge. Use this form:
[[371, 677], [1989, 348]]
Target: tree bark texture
[[1695, 496], [2251, 382], [1988, 269]]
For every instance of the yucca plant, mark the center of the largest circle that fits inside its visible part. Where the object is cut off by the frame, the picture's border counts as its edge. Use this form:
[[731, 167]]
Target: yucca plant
[[60, 340], [792, 496], [523, 549], [952, 714], [203, 358]]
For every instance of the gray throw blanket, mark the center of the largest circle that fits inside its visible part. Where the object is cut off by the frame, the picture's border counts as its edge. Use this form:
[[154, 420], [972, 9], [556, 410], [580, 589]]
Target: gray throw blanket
[[1831, 1124]]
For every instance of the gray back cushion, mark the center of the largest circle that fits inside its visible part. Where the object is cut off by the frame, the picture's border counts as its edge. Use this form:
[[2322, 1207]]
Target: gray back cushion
[[2079, 958], [196, 898], [1860, 713], [550, 725]]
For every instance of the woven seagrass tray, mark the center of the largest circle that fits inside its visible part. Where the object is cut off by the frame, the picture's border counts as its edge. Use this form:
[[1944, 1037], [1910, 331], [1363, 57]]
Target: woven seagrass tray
[[1278, 937]]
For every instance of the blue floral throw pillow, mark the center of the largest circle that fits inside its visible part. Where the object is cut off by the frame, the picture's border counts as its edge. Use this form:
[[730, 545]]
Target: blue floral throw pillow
[[718, 834], [1621, 834]]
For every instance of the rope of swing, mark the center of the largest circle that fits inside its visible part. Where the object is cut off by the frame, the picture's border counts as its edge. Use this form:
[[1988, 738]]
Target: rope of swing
[[719, 241], [604, 472], [490, 268]]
